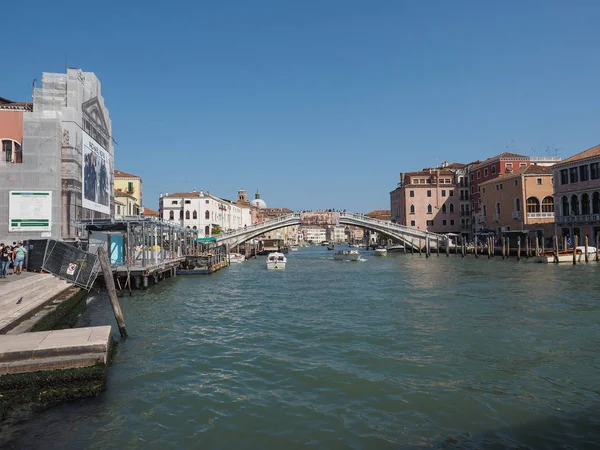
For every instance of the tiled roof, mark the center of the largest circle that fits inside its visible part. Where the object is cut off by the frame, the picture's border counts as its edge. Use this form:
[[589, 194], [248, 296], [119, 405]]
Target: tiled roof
[[183, 194], [121, 174], [505, 155], [534, 169], [589, 153], [150, 212], [120, 193]]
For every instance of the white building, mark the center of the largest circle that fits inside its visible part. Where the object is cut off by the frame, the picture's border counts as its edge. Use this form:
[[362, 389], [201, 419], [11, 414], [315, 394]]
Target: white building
[[316, 235], [337, 234], [203, 212]]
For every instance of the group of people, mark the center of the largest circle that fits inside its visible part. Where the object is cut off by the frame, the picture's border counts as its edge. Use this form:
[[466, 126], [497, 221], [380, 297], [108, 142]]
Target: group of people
[[14, 254]]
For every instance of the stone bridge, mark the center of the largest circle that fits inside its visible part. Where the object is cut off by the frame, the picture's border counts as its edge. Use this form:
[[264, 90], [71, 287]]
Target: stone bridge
[[410, 237]]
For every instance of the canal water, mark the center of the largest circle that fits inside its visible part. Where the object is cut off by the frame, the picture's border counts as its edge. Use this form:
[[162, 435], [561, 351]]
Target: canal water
[[398, 352]]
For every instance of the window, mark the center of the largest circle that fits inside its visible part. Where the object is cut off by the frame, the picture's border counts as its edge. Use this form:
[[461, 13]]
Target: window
[[584, 173], [596, 205], [444, 222], [521, 165], [574, 205], [187, 215], [428, 193], [429, 209], [411, 193], [451, 207], [130, 186], [207, 230], [484, 210], [517, 204], [195, 215], [483, 190], [430, 223], [485, 172], [412, 209], [118, 209], [206, 201], [564, 176], [548, 205], [533, 205], [493, 169], [451, 221], [595, 171], [498, 186], [498, 208], [508, 167], [443, 192], [207, 215], [472, 177], [173, 202], [565, 206], [472, 188], [573, 175], [12, 151], [585, 203], [444, 208], [478, 174], [188, 202], [539, 181], [412, 223], [171, 215], [451, 193], [181, 215]]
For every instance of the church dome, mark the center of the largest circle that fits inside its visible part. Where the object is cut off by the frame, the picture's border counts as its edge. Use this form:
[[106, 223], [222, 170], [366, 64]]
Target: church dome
[[258, 203]]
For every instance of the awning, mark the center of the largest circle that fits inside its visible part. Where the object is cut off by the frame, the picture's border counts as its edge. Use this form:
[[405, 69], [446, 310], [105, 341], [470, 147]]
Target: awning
[[205, 239]]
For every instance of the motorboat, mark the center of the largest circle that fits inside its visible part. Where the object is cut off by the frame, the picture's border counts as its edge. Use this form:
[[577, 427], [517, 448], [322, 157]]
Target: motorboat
[[347, 255], [380, 251], [294, 248], [276, 260], [566, 256], [330, 247], [396, 248], [236, 258]]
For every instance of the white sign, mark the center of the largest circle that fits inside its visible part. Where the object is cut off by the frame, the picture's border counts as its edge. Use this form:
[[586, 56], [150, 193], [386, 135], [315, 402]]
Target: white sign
[[29, 211], [71, 269], [97, 172]]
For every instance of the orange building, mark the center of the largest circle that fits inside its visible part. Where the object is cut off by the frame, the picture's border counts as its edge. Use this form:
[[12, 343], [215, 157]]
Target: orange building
[[11, 130]]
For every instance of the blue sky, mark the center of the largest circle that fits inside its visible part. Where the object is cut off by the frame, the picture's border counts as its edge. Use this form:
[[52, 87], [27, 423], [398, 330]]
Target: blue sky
[[318, 104]]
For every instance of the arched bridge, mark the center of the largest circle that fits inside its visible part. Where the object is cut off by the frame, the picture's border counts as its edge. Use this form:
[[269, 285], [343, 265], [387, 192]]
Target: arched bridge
[[410, 237]]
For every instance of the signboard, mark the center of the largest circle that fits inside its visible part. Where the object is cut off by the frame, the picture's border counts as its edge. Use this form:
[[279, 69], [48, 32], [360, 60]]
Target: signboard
[[29, 210], [97, 170]]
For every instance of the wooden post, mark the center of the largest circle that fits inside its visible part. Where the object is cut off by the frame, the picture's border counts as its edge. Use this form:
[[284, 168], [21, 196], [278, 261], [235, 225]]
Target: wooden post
[[564, 242], [502, 242], [537, 246], [419, 246], [556, 249], [437, 243], [475, 248], [507, 243], [597, 247], [447, 246], [456, 246], [462, 246], [112, 291], [519, 248], [585, 244], [404, 246], [575, 242], [527, 247]]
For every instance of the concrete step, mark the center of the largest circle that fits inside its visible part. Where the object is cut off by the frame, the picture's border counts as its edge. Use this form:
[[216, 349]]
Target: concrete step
[[16, 283], [53, 363]]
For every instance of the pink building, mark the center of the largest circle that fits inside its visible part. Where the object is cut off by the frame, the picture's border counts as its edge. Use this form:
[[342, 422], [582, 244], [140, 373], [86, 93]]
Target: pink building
[[427, 200], [577, 195], [11, 130]]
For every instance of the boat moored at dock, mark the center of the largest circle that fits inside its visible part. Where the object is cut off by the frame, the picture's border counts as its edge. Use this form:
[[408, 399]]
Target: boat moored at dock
[[566, 256]]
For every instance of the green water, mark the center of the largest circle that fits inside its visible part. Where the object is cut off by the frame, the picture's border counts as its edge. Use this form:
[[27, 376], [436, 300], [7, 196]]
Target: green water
[[389, 352]]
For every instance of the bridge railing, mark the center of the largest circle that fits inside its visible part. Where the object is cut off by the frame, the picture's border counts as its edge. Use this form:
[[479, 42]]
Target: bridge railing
[[389, 225], [256, 226]]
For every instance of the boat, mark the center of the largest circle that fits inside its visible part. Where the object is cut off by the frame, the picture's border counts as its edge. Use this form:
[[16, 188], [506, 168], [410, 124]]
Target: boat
[[347, 255], [294, 248], [566, 256], [236, 258], [395, 248], [380, 252], [267, 246], [324, 243], [330, 247], [276, 260]]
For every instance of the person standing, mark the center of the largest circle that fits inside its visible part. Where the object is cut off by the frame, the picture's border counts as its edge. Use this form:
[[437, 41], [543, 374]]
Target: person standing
[[19, 258], [3, 260]]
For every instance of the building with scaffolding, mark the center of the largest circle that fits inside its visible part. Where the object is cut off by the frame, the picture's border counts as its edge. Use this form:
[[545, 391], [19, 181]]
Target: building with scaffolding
[[64, 171]]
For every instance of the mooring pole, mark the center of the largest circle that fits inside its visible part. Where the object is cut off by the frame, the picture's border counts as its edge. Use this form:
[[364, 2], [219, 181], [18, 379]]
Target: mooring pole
[[112, 291]]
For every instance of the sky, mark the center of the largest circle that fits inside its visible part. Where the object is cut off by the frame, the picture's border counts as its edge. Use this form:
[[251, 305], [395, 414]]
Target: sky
[[317, 104]]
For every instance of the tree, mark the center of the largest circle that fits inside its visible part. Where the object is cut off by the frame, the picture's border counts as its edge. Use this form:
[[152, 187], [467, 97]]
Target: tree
[[216, 230]]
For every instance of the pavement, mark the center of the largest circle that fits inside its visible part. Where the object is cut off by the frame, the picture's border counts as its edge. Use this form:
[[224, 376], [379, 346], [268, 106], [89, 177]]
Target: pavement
[[11, 278]]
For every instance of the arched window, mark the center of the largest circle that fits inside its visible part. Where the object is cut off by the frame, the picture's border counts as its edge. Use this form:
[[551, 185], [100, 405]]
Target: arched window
[[444, 208], [207, 230], [548, 205], [585, 204], [533, 205], [195, 215], [429, 209], [596, 204], [187, 215], [171, 215], [574, 205], [517, 204], [565, 206], [451, 207], [412, 209], [207, 215], [12, 151], [181, 214]]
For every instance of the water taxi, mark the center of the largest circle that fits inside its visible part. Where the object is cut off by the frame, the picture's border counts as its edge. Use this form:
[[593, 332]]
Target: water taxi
[[236, 258], [566, 256], [276, 260], [380, 252], [347, 255]]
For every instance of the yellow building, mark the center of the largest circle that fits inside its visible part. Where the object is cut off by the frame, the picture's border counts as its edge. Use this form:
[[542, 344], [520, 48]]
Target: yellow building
[[125, 205], [130, 184]]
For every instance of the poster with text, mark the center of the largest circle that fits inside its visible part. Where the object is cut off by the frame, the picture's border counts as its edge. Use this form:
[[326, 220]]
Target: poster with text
[[97, 172], [30, 211]]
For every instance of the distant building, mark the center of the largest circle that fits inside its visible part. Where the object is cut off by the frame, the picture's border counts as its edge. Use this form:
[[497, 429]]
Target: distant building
[[62, 169], [125, 204], [314, 234], [132, 184], [521, 200], [379, 214], [577, 195], [150, 212]]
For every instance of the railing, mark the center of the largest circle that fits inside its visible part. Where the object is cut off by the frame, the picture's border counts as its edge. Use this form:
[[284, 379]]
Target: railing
[[573, 219], [545, 158], [540, 215]]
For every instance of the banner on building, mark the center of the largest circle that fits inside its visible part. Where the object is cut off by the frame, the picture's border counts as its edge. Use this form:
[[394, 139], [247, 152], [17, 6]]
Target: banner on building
[[97, 172], [30, 211]]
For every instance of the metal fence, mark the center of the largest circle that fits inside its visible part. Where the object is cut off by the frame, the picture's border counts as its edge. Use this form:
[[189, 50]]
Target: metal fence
[[71, 263]]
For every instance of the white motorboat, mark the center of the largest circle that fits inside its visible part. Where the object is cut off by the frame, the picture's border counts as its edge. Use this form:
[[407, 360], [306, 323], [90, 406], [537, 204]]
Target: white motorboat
[[347, 255], [276, 260], [236, 258], [566, 256], [396, 248], [294, 248], [380, 252]]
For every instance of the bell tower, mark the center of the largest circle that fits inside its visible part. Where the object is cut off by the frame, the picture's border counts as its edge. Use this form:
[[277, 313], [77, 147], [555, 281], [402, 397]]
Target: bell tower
[[242, 197]]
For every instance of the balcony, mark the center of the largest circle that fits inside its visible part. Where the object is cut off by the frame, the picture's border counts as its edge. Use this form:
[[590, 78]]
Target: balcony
[[577, 219], [540, 215]]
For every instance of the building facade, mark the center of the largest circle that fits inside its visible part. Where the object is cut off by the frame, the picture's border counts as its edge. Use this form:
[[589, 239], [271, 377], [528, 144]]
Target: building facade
[[577, 195], [427, 200], [125, 205], [63, 169], [519, 201], [132, 184]]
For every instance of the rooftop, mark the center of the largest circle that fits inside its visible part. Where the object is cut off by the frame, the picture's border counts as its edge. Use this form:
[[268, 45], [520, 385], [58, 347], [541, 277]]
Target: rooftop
[[121, 174], [589, 153], [150, 212], [505, 155]]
